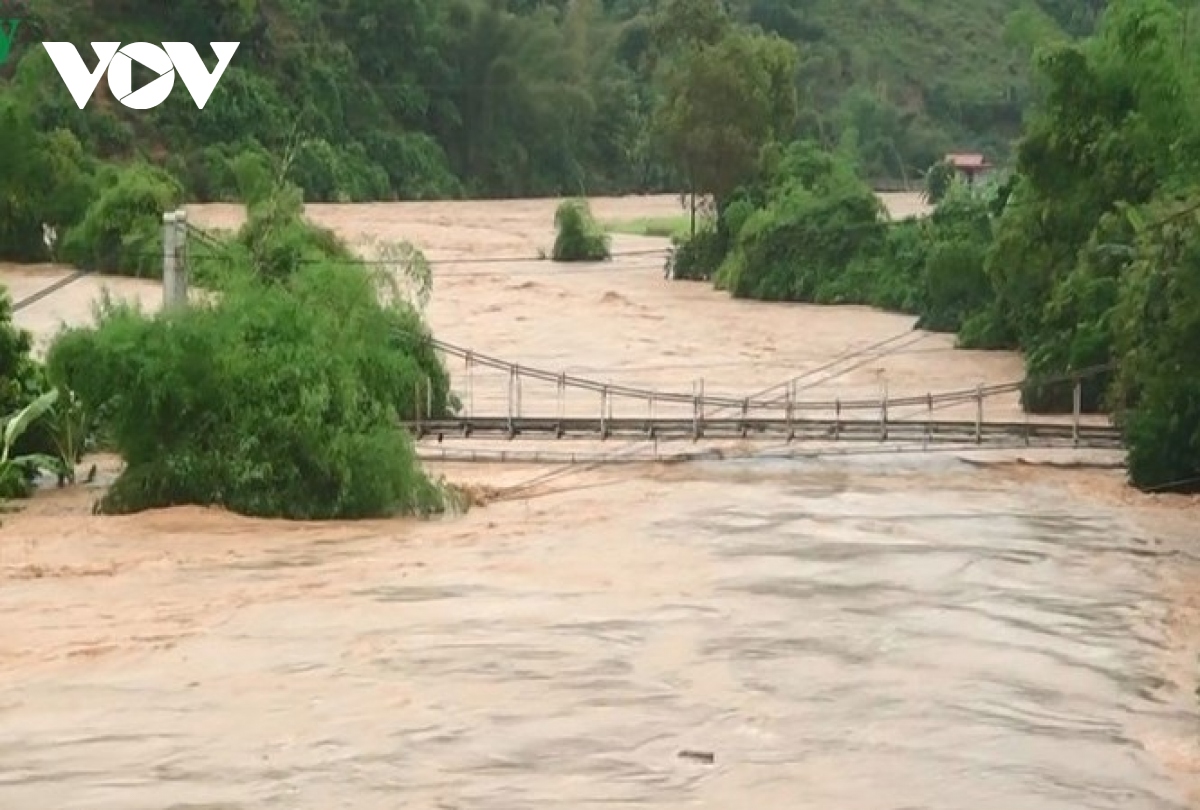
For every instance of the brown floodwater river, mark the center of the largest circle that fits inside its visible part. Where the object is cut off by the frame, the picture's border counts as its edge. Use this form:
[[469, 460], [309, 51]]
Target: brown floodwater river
[[901, 632], [849, 634]]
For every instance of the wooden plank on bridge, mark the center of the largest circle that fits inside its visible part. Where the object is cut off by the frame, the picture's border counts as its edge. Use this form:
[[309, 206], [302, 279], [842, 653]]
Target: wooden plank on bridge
[[931, 432]]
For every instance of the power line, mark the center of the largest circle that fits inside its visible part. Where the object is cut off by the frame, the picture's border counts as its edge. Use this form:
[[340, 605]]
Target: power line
[[862, 362], [722, 402], [920, 219], [647, 394], [626, 390], [592, 266], [1178, 484], [702, 402], [924, 221], [538, 480], [832, 363], [864, 354], [558, 269], [716, 456], [728, 364], [50, 289]]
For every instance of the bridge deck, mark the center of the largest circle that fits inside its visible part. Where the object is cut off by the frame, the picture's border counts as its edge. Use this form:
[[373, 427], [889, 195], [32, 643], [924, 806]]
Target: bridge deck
[[942, 432]]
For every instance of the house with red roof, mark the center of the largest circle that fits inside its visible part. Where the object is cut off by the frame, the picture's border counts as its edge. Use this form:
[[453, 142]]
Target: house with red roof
[[969, 165]]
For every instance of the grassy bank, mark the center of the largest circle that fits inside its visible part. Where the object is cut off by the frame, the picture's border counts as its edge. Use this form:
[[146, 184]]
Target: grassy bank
[[672, 227]]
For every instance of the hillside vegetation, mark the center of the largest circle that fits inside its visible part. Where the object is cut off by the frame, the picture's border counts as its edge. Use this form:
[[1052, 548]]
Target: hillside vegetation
[[1085, 255], [370, 99]]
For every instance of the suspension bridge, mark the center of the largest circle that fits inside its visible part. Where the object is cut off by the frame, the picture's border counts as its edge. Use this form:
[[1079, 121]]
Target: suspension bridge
[[500, 400], [531, 403], [504, 400]]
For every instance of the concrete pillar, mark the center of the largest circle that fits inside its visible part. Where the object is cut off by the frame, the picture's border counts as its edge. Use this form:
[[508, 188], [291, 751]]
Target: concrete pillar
[[181, 263], [170, 278]]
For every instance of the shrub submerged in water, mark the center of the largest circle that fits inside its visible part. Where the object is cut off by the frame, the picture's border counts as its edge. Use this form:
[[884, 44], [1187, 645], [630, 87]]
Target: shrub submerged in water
[[280, 399], [580, 238]]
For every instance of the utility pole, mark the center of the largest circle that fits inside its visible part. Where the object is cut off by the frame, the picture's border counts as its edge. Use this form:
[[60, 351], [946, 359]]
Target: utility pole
[[169, 274], [175, 281]]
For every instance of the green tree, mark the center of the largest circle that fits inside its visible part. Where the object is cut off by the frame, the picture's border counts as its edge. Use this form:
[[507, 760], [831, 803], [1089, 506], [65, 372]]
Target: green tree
[[1157, 328], [1115, 125], [938, 180], [532, 97], [815, 220], [44, 179], [720, 104], [282, 397]]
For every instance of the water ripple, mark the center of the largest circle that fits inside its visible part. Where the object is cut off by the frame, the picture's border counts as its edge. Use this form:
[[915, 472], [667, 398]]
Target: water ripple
[[833, 645]]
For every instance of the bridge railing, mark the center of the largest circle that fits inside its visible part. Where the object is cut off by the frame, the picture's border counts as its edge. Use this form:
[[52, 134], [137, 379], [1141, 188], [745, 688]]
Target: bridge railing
[[491, 387]]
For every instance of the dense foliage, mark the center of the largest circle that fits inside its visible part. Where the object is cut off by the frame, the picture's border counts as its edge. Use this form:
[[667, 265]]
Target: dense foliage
[[579, 238], [357, 100], [19, 375], [20, 383], [39, 422], [279, 397], [426, 98], [1086, 257]]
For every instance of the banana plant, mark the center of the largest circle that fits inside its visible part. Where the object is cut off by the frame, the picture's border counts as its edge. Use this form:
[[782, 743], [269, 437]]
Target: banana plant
[[68, 428], [14, 426]]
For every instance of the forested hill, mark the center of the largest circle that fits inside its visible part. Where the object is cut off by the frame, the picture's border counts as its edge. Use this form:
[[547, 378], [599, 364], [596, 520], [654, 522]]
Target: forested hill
[[430, 98]]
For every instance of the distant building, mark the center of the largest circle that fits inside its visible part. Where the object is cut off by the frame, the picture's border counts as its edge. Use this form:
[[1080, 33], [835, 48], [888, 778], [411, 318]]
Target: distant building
[[970, 166]]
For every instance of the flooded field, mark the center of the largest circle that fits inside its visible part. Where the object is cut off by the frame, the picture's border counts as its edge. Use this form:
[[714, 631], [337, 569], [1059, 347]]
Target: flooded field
[[861, 632]]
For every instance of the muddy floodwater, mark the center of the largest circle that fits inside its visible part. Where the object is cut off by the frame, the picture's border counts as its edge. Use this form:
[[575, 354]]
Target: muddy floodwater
[[892, 632]]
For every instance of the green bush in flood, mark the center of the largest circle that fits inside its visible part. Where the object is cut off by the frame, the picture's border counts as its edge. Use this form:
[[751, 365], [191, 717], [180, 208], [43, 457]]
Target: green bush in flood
[[281, 397], [580, 238], [121, 230]]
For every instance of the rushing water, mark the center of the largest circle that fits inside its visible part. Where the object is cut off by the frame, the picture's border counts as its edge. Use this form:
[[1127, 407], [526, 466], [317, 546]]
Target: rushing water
[[839, 636]]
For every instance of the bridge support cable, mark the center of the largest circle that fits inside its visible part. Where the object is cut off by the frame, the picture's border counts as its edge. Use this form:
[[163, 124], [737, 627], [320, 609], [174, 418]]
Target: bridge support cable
[[883, 415], [879, 355], [562, 406], [1076, 407], [627, 391], [791, 412], [786, 405], [50, 289], [1029, 427], [789, 385], [979, 416], [929, 402], [757, 403], [604, 411], [470, 388]]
